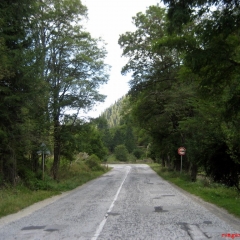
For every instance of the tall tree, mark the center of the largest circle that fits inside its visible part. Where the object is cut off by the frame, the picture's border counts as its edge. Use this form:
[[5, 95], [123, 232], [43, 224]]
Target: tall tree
[[213, 56], [16, 84], [72, 63], [154, 74]]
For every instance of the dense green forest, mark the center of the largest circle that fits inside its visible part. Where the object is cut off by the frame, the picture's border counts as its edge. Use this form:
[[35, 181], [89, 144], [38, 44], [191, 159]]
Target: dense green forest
[[185, 65], [113, 114], [184, 88], [50, 70]]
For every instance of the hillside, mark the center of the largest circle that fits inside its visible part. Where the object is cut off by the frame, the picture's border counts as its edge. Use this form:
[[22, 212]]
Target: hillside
[[113, 113]]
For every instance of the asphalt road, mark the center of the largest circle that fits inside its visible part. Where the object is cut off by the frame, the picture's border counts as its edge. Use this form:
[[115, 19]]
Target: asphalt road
[[129, 202]]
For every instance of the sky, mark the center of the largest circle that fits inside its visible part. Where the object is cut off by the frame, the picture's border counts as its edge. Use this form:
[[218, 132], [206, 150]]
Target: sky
[[109, 19]]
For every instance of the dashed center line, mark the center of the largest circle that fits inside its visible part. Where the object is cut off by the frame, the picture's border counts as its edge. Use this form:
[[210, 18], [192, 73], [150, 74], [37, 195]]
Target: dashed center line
[[101, 225]]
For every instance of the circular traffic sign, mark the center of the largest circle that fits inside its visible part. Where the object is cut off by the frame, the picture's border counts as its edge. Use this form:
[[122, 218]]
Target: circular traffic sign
[[182, 151]]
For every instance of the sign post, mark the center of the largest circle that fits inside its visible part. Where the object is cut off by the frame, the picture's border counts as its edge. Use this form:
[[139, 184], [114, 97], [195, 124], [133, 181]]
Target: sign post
[[181, 152], [43, 151]]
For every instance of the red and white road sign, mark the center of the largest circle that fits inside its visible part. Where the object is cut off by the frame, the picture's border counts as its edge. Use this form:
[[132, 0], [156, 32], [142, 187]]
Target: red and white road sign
[[181, 151]]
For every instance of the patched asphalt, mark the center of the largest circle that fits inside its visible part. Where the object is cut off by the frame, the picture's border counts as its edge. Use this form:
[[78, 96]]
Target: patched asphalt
[[129, 202]]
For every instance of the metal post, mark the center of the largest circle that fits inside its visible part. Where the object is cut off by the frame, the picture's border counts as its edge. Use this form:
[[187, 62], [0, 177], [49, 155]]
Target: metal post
[[43, 165], [43, 150], [181, 165]]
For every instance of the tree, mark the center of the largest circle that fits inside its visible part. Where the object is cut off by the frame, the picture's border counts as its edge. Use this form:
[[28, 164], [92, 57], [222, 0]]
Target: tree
[[154, 78], [113, 113], [118, 136], [130, 141], [214, 53], [213, 56], [104, 129], [185, 84], [72, 63], [81, 137], [18, 92], [121, 152]]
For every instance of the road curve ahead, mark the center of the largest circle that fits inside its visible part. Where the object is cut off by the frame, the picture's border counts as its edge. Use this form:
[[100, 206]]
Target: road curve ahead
[[129, 202]]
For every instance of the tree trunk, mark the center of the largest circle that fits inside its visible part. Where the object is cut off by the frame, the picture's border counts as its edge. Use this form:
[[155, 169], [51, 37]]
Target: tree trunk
[[193, 172], [56, 160], [163, 161], [9, 167], [35, 161]]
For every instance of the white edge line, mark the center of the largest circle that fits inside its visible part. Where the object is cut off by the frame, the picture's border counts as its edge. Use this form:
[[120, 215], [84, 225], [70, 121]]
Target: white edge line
[[101, 225]]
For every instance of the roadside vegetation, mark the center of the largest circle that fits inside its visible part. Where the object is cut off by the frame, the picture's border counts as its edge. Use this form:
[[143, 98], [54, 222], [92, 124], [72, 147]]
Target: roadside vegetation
[[120, 155], [26, 193], [218, 194], [184, 92]]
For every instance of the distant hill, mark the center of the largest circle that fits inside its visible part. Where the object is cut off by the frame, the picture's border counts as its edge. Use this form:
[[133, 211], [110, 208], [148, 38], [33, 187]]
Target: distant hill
[[113, 113]]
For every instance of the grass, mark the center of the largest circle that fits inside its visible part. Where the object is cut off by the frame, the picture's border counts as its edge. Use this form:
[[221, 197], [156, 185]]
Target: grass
[[218, 194], [130, 159], [112, 159], [14, 199]]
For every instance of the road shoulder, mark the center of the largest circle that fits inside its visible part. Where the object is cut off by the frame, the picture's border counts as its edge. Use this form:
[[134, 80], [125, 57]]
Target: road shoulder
[[219, 212]]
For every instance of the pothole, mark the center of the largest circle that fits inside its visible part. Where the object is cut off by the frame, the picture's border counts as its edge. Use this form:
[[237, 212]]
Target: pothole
[[51, 230], [157, 198], [207, 222], [113, 214], [159, 209], [183, 225], [33, 228], [54, 227], [168, 195]]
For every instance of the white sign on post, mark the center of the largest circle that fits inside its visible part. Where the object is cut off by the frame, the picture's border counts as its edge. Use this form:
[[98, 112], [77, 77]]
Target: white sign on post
[[181, 152]]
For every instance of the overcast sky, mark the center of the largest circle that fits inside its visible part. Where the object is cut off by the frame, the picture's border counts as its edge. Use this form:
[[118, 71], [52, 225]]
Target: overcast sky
[[108, 19]]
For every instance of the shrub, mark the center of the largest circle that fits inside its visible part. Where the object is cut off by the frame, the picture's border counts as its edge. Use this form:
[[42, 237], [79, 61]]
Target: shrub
[[138, 153], [121, 153], [131, 158], [93, 162]]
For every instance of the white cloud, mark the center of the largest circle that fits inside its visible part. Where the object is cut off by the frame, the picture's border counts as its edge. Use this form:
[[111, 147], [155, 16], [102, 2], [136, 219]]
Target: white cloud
[[109, 19]]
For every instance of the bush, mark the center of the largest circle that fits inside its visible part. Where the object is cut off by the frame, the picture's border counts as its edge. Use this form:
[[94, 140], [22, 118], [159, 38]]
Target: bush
[[121, 153], [131, 158], [138, 153], [94, 163]]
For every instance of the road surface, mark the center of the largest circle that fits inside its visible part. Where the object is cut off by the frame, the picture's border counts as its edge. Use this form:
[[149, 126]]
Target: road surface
[[129, 202]]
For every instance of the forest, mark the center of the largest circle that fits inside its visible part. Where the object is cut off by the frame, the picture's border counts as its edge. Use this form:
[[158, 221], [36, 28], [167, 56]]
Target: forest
[[184, 61], [50, 71], [185, 64]]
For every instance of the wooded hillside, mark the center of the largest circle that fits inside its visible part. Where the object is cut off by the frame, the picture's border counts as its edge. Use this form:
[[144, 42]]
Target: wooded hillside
[[185, 65], [113, 113], [184, 89], [48, 66]]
